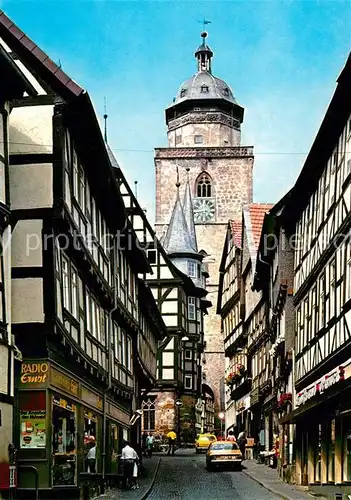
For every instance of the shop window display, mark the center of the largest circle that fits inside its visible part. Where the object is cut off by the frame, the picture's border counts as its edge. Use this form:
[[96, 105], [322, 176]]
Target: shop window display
[[64, 442]]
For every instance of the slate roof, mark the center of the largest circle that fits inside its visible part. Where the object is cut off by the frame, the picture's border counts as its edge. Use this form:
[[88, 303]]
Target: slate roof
[[178, 238], [189, 214]]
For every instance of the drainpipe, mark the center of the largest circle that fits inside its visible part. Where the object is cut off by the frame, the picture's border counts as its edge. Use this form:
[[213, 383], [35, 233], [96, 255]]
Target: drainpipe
[[109, 363]]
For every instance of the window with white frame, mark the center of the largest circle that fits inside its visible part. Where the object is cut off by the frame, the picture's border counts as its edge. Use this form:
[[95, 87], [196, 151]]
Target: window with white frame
[[187, 354], [191, 308], [188, 382], [191, 269]]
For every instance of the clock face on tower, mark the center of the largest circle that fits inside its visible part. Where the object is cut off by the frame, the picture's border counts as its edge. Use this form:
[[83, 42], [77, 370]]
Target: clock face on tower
[[204, 210]]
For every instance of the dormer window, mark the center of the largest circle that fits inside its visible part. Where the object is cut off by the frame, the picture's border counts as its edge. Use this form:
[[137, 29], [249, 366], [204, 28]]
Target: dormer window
[[204, 89], [182, 92], [226, 91]]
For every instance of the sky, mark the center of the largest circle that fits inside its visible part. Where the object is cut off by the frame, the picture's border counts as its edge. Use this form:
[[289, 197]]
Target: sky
[[280, 57]]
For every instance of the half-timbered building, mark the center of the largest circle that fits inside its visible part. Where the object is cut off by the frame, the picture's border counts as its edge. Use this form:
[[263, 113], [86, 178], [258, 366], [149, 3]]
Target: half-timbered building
[[13, 85], [86, 325], [254, 314], [274, 277], [318, 218], [228, 307], [177, 282]]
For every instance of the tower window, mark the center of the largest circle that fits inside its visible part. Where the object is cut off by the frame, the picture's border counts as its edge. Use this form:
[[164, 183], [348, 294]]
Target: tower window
[[182, 92], [204, 89], [198, 139], [226, 91], [204, 186], [178, 139], [191, 269]]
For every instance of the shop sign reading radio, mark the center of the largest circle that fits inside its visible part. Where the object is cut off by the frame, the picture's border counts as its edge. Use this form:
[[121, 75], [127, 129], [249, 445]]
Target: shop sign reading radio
[[34, 373]]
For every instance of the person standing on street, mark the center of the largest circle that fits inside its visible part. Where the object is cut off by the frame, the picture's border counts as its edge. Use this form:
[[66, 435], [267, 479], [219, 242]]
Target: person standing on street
[[129, 458], [172, 437], [91, 455], [242, 443], [149, 444]]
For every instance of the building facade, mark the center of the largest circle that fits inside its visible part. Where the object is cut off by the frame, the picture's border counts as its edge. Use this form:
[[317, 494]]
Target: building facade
[[86, 326], [203, 127], [177, 283], [317, 217]]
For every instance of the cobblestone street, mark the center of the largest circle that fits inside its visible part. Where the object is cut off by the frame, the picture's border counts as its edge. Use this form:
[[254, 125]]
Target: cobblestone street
[[184, 477]]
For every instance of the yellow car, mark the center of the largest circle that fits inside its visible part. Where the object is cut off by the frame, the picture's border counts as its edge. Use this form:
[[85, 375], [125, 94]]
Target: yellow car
[[222, 454], [203, 441]]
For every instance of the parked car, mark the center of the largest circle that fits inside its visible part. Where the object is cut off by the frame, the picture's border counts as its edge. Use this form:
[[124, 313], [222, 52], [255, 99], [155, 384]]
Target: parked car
[[203, 441], [222, 454]]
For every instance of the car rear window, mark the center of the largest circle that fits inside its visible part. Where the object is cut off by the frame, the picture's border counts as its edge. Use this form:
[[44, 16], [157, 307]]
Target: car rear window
[[224, 446]]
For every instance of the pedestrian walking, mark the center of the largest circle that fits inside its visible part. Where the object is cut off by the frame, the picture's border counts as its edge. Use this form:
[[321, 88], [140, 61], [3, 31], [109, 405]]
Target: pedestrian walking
[[172, 436], [231, 437], [129, 458], [242, 443], [149, 444]]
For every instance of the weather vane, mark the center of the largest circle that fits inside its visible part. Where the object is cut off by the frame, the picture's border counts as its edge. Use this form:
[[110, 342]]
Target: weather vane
[[204, 23]]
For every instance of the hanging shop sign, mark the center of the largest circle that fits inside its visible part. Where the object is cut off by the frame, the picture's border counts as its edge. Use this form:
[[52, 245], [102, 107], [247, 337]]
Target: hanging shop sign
[[322, 384], [34, 373], [63, 382], [33, 429]]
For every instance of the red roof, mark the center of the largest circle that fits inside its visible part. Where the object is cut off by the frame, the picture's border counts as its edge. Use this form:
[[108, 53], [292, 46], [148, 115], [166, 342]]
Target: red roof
[[257, 212], [13, 35], [235, 227]]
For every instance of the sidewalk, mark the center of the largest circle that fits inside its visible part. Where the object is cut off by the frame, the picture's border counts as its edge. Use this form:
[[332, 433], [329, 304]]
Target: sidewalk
[[146, 482], [269, 479]]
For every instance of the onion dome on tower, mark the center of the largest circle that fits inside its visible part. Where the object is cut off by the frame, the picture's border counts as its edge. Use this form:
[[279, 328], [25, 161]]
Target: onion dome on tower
[[204, 89]]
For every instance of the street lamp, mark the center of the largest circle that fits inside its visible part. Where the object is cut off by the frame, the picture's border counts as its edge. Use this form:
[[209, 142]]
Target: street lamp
[[221, 416]]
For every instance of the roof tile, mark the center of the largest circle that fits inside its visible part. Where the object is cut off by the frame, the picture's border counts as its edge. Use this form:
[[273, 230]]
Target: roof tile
[[257, 212], [16, 32], [235, 227], [5, 20]]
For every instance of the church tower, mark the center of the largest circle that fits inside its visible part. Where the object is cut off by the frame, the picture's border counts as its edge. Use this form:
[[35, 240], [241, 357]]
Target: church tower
[[204, 144]]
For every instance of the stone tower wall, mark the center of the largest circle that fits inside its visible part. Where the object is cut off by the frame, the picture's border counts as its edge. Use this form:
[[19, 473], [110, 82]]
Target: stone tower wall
[[232, 186]]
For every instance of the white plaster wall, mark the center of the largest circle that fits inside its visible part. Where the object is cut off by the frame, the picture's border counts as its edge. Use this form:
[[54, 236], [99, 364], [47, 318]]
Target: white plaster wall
[[27, 245], [5, 430], [31, 186], [4, 356], [27, 300], [31, 129]]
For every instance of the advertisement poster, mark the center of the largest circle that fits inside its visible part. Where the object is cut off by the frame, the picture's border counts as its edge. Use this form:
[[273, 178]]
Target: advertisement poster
[[33, 431]]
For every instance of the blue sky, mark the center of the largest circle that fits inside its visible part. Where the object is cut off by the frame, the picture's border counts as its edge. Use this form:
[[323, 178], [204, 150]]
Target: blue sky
[[280, 57]]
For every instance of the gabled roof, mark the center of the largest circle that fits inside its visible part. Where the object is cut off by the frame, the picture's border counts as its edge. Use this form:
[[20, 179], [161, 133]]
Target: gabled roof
[[36, 58], [253, 217]]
